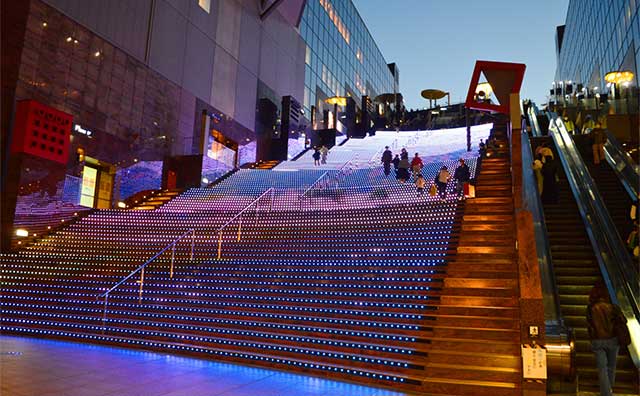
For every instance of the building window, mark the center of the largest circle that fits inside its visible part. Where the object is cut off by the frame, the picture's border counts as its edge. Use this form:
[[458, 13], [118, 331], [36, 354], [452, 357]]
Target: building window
[[337, 21], [205, 5], [307, 56]]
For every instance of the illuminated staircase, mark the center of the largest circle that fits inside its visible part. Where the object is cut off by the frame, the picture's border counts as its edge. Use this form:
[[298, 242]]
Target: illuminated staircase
[[389, 289]]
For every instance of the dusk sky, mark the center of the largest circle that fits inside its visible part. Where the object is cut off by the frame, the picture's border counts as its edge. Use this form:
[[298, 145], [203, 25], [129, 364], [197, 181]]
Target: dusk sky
[[436, 43]]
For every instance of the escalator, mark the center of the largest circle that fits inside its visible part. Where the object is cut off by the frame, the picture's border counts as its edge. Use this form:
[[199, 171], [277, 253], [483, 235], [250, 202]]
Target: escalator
[[617, 198], [576, 270], [578, 244]]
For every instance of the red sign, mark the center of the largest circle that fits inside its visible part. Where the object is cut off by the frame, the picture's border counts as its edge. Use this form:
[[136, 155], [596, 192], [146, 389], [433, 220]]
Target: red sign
[[41, 131]]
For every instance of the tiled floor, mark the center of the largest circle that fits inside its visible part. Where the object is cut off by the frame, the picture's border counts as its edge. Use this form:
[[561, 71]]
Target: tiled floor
[[30, 367]]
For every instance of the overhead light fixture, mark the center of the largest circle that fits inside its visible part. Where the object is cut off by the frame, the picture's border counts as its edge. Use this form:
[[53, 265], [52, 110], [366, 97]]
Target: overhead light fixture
[[96, 54], [122, 205], [339, 100], [44, 24], [21, 232], [69, 39], [618, 77]]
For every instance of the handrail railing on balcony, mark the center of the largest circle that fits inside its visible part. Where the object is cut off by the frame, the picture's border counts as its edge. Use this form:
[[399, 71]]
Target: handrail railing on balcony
[[141, 268], [220, 230]]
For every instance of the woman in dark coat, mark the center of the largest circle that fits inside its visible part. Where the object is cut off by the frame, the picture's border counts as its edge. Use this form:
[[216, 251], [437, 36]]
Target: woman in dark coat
[[403, 170], [549, 184]]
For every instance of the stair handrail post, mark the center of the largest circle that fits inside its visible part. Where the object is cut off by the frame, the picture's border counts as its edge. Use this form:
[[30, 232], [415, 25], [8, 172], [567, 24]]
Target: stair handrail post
[[104, 314], [193, 242], [237, 215], [273, 197], [140, 269], [173, 258], [141, 286], [312, 185], [219, 243]]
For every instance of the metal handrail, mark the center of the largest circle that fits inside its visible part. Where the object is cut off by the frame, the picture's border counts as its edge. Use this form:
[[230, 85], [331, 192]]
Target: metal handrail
[[533, 121], [141, 268], [615, 263], [622, 164], [255, 201], [531, 200], [340, 171], [312, 185]]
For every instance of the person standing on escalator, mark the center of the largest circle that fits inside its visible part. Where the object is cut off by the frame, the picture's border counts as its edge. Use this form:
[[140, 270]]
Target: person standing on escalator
[[598, 139], [549, 183]]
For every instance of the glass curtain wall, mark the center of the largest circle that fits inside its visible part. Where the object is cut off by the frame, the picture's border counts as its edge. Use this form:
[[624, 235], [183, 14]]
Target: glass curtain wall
[[342, 59]]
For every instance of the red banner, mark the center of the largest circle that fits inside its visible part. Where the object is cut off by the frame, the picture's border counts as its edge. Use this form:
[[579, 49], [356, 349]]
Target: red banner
[[41, 131]]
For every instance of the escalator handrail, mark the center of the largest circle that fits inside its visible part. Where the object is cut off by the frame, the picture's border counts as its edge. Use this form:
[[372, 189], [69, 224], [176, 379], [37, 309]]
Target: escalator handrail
[[615, 263], [532, 202], [533, 120], [622, 164]]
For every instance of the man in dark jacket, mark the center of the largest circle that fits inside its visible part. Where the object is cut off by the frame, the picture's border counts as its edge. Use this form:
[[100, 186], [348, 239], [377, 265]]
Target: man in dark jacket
[[387, 157], [602, 317], [598, 139], [461, 176]]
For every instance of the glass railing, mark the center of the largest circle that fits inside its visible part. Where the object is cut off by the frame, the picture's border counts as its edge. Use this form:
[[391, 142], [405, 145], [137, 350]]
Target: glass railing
[[616, 265], [623, 165], [531, 202]]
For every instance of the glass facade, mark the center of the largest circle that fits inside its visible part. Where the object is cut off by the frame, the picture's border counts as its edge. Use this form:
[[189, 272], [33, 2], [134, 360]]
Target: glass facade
[[341, 58], [599, 36]]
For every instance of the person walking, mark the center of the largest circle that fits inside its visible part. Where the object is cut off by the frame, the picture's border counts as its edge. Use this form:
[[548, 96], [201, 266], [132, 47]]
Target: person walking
[[598, 139], [603, 320], [404, 154], [316, 156], [461, 176], [387, 157], [442, 178], [396, 162], [324, 151], [416, 165], [403, 170], [482, 149], [421, 183]]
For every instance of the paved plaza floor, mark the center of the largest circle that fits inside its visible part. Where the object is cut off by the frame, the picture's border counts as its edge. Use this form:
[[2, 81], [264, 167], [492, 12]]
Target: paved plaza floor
[[38, 367]]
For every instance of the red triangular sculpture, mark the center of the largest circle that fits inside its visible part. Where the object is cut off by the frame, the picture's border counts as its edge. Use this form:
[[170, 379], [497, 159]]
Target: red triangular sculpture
[[505, 78]]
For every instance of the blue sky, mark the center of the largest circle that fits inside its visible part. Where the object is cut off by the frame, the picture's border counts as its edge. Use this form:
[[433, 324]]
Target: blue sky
[[436, 43]]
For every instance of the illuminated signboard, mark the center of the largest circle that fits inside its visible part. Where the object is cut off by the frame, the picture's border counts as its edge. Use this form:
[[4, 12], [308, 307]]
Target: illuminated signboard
[[89, 176], [79, 129]]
